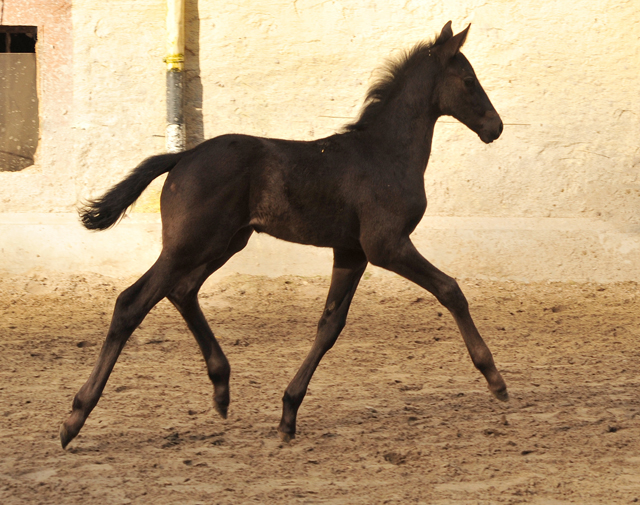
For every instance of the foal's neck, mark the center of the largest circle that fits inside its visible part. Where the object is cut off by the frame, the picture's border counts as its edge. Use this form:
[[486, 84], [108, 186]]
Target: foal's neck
[[405, 124]]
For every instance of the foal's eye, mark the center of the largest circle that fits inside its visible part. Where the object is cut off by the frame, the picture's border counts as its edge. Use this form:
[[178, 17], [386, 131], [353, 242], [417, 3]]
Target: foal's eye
[[469, 82]]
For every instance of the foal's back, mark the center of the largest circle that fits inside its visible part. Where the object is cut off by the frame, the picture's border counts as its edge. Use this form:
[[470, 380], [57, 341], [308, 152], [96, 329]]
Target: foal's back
[[308, 192]]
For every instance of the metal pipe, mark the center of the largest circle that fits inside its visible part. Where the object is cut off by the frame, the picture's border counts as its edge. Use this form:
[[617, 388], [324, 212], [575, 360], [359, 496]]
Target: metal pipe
[[175, 133]]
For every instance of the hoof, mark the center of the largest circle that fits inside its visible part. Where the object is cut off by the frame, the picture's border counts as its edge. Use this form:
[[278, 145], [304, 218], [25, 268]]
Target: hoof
[[502, 395], [65, 436], [286, 437], [221, 409]]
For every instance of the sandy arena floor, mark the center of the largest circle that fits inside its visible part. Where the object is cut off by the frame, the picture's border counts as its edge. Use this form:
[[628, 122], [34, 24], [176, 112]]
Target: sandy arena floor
[[396, 413]]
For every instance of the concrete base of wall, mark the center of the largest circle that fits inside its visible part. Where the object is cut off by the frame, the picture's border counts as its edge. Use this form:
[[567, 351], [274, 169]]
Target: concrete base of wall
[[520, 249]]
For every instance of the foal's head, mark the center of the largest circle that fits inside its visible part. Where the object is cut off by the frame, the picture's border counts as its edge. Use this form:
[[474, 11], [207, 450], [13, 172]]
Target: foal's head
[[458, 92]]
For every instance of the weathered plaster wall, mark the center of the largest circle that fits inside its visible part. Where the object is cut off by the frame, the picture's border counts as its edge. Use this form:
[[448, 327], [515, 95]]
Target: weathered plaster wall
[[556, 197], [119, 88]]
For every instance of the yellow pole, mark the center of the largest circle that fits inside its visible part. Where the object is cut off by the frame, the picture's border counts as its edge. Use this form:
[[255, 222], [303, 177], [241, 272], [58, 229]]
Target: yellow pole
[[175, 134]]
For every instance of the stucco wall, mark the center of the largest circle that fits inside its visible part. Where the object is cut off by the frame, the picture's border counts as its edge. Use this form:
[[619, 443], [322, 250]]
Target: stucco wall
[[556, 197]]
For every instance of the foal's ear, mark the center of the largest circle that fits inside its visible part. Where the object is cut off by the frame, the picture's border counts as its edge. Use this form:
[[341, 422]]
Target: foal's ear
[[452, 46], [445, 34]]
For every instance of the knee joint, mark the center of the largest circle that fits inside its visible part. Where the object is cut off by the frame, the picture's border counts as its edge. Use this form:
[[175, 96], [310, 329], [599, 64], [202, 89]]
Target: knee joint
[[452, 297], [293, 400]]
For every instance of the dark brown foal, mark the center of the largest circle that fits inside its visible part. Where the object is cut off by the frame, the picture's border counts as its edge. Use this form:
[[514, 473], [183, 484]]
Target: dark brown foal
[[360, 192]]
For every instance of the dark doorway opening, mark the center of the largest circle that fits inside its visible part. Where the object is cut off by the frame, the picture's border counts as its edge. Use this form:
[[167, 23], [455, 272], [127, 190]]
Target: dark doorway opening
[[18, 39], [19, 120]]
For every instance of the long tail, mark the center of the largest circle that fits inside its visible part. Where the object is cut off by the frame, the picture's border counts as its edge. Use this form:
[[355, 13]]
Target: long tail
[[106, 211]]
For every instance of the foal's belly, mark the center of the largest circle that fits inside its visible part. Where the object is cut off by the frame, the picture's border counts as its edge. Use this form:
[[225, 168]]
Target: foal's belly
[[335, 228]]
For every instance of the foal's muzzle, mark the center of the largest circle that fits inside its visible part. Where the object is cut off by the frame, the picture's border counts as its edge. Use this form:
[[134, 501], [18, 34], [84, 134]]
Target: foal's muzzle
[[491, 127]]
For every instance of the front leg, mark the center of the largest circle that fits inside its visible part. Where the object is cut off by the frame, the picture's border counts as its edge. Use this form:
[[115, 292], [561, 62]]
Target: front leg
[[348, 267], [404, 259]]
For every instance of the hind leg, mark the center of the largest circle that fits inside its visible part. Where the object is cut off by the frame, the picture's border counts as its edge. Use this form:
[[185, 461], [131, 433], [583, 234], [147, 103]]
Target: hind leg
[[185, 249], [132, 306], [185, 298]]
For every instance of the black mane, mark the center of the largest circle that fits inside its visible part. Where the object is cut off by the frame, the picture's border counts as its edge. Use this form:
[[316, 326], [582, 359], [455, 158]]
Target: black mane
[[391, 79]]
